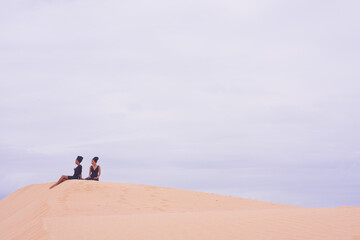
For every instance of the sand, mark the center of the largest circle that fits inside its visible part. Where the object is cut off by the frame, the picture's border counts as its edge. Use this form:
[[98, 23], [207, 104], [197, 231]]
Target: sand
[[103, 210]]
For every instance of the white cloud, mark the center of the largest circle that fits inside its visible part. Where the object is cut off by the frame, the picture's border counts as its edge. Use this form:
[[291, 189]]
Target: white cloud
[[188, 84]]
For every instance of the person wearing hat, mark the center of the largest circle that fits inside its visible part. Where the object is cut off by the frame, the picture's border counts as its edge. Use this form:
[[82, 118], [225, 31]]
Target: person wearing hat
[[94, 171], [77, 172]]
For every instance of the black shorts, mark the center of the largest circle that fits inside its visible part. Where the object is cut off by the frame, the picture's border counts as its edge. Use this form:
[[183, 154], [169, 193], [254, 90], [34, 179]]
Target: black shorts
[[72, 177], [92, 179]]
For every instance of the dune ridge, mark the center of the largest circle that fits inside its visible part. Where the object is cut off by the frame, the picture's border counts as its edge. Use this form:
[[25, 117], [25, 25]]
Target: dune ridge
[[105, 210]]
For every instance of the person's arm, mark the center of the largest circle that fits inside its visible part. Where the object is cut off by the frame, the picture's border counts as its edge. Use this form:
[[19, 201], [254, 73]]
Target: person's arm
[[99, 172], [80, 175], [89, 172]]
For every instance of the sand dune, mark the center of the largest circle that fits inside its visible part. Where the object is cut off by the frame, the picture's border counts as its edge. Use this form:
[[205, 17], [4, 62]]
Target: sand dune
[[104, 210]]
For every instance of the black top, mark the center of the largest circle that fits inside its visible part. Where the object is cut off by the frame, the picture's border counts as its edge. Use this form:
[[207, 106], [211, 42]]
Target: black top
[[94, 173], [77, 171]]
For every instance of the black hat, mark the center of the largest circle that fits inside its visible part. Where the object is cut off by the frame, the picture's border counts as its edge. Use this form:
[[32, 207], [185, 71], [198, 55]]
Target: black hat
[[95, 159], [79, 159]]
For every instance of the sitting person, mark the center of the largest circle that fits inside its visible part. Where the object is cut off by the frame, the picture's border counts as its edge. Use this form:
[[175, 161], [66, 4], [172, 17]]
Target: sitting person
[[77, 173], [95, 170]]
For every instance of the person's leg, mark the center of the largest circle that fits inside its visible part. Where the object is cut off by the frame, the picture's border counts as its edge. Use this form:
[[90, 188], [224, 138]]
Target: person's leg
[[62, 178]]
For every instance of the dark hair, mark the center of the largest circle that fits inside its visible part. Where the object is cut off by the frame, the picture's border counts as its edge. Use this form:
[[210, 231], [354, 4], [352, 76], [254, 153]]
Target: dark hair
[[95, 159], [79, 159]]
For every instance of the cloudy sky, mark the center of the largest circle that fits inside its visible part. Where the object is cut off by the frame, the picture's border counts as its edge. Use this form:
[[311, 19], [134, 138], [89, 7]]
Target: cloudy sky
[[256, 99]]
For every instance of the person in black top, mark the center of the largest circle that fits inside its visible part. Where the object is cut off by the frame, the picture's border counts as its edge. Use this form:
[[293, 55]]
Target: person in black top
[[94, 171], [77, 172]]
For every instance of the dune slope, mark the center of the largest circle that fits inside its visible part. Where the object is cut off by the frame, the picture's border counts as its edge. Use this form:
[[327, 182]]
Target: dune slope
[[104, 210]]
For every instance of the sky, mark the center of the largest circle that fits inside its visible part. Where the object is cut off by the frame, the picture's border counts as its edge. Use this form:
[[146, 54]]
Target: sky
[[254, 99]]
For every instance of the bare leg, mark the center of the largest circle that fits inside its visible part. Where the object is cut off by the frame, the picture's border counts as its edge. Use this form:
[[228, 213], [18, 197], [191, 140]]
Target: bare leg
[[62, 179]]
